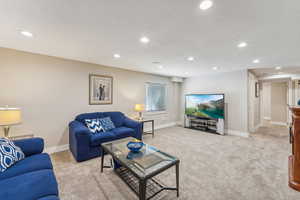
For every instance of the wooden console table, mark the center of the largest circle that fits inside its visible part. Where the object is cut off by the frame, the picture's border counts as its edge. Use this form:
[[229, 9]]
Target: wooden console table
[[294, 159]]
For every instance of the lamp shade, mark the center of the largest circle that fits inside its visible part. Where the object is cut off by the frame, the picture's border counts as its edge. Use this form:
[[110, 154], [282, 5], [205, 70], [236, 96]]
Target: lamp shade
[[139, 107], [10, 116]]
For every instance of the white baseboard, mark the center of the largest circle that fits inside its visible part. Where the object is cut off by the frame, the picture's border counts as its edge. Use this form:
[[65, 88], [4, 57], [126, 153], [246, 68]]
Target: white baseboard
[[179, 123], [267, 118], [237, 133], [257, 126], [254, 129], [279, 123], [55, 149], [156, 127]]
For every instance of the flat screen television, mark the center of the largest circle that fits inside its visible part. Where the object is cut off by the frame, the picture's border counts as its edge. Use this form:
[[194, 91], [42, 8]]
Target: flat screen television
[[205, 105], [205, 112]]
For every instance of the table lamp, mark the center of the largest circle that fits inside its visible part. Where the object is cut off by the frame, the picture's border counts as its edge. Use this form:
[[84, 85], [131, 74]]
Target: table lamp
[[9, 117], [139, 108]]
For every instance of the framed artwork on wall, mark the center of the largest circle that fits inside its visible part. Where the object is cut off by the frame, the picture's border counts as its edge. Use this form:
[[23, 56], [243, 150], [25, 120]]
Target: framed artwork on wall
[[100, 89], [256, 89]]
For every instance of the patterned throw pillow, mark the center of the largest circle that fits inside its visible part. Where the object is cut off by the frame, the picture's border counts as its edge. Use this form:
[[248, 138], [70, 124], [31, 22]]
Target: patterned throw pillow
[[9, 154], [94, 125], [106, 123]]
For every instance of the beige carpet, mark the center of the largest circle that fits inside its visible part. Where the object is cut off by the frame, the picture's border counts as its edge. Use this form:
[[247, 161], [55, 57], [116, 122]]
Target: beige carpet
[[212, 167]]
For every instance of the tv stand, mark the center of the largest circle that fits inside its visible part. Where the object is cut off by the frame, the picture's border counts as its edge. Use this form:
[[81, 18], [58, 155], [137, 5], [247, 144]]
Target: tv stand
[[209, 125], [203, 124]]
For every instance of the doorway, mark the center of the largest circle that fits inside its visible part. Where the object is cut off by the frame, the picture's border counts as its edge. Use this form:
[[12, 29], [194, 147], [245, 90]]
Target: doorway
[[274, 109], [274, 102]]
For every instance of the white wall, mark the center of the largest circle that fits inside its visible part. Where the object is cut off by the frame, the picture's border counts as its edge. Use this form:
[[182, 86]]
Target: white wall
[[52, 91], [234, 85]]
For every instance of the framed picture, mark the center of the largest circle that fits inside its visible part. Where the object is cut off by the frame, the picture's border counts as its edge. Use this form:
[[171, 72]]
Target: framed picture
[[256, 89], [101, 89]]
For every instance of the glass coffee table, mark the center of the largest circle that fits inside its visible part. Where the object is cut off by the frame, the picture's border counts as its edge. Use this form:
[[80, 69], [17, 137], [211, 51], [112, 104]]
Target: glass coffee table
[[138, 170]]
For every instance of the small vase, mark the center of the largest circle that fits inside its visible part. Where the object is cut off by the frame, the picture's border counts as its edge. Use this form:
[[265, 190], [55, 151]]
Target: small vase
[[299, 102]]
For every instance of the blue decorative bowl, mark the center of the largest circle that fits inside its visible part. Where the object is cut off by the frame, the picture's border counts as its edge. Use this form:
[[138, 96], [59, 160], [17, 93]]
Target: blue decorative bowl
[[135, 147], [299, 102]]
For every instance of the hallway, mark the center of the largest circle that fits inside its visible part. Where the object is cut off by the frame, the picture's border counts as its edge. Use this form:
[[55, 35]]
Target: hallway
[[268, 129]]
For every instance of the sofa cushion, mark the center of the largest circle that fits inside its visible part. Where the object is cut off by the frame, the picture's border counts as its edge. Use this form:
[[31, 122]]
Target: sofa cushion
[[52, 197], [106, 124], [9, 154], [29, 164], [122, 132], [82, 117], [30, 146], [116, 117], [97, 139], [29, 186]]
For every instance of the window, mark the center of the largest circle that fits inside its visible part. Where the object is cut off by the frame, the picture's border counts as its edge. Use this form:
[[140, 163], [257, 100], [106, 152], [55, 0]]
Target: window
[[155, 97]]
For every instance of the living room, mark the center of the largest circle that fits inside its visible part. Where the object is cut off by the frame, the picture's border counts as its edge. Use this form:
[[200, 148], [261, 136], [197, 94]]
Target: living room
[[91, 89]]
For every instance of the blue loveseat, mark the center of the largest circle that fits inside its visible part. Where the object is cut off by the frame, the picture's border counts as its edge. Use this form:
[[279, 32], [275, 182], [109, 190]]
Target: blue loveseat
[[85, 145], [31, 178]]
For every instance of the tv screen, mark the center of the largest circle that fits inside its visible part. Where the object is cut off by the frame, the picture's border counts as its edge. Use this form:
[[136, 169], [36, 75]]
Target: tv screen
[[209, 106]]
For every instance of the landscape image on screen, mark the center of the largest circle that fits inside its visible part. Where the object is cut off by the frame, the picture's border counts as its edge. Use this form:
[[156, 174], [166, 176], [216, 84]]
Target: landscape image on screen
[[205, 105]]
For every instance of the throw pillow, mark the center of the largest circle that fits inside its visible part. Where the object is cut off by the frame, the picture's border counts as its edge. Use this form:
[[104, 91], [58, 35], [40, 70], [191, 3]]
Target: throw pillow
[[9, 154], [94, 125], [106, 123]]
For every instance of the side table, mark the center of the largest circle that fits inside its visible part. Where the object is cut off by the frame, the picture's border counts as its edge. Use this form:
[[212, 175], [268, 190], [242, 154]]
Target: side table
[[152, 126], [17, 137]]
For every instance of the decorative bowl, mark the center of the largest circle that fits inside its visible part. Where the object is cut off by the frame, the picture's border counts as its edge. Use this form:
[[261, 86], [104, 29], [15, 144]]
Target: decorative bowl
[[135, 146]]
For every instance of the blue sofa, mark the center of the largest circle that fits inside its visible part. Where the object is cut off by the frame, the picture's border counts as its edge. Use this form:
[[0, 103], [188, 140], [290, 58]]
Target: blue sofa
[[31, 178], [85, 145]]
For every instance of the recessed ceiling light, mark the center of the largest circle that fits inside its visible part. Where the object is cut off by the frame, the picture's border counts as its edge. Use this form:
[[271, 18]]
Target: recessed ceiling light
[[190, 58], [186, 73], [215, 68], [206, 4], [26, 33], [278, 68], [117, 56], [256, 61], [144, 40], [242, 44], [160, 66]]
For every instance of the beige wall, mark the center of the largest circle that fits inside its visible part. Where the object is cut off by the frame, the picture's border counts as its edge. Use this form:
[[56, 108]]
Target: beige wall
[[266, 100], [52, 91], [279, 102], [234, 85]]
